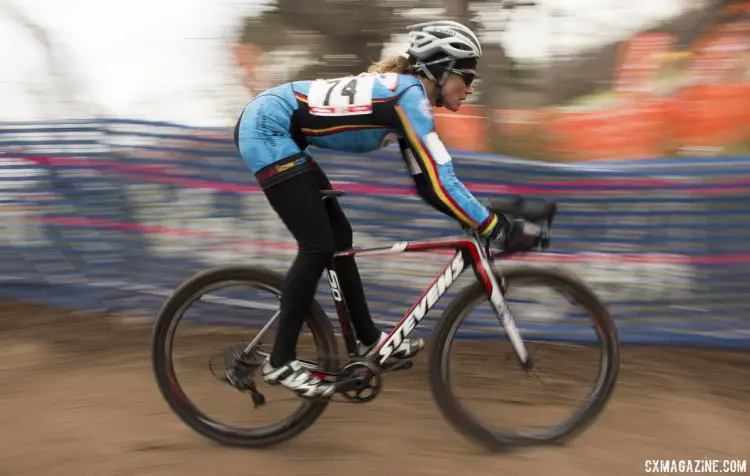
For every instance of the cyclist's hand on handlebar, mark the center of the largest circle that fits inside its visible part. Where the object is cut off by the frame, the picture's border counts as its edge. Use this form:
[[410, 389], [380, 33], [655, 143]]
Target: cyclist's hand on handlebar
[[513, 236]]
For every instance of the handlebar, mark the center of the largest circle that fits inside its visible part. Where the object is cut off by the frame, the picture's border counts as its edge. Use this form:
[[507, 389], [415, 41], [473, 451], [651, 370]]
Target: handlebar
[[541, 214], [520, 207]]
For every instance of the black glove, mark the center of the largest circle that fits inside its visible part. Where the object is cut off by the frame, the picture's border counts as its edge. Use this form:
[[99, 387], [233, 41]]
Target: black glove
[[514, 236]]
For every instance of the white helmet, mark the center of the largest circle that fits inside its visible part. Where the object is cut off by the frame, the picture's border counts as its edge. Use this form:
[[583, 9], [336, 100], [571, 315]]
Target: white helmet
[[440, 45], [449, 39]]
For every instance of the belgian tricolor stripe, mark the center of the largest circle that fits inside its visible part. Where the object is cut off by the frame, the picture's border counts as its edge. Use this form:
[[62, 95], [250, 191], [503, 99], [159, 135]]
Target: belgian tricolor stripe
[[335, 129], [430, 166], [488, 224]]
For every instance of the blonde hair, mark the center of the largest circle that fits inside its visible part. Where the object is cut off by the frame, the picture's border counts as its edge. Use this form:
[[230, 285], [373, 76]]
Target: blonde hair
[[394, 64]]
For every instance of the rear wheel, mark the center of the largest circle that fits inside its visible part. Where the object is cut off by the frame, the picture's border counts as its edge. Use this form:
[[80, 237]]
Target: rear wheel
[[603, 341], [204, 287]]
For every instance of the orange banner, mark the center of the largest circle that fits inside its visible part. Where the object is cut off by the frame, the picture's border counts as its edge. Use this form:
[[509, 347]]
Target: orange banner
[[464, 130], [631, 131], [712, 114], [698, 115]]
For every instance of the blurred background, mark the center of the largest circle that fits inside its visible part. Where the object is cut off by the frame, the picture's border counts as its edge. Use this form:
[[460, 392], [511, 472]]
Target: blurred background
[[119, 178]]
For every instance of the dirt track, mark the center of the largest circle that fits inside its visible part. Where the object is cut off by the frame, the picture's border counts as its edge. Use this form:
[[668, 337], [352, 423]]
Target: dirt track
[[78, 398]]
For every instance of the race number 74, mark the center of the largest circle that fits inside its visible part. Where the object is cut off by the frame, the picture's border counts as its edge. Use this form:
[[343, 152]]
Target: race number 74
[[341, 96]]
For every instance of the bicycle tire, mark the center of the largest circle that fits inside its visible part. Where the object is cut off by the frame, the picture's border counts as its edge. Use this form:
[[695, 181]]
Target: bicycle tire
[[185, 294], [495, 440]]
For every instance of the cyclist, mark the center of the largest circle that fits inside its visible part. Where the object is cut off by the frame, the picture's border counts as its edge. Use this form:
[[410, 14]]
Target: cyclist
[[391, 102]]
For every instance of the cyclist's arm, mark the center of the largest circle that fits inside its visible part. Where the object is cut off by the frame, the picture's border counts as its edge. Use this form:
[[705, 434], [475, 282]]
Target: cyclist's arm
[[421, 182], [428, 156]]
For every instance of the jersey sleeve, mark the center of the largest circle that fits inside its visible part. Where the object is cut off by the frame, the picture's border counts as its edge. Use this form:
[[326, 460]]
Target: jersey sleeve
[[434, 161]]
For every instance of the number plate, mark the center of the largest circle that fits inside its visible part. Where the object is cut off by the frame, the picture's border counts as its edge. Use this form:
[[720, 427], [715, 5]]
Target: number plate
[[341, 96]]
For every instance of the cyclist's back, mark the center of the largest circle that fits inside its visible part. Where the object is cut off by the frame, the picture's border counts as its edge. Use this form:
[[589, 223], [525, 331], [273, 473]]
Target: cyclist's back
[[352, 114]]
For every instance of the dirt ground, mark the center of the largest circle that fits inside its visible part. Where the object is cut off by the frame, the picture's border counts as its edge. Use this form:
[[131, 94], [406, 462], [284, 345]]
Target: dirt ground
[[77, 397]]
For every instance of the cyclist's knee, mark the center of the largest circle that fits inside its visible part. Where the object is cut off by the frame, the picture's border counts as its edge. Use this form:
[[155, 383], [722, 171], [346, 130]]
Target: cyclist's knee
[[323, 249], [343, 238]]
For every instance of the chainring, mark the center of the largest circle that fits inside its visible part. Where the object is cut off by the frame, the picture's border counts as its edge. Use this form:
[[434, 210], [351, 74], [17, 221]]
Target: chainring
[[371, 385]]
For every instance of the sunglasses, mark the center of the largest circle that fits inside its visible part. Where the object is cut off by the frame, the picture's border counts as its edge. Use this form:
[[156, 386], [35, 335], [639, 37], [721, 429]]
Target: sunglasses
[[467, 77]]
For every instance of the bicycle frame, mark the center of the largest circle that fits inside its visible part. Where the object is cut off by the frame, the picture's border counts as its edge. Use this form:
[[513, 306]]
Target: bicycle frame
[[468, 252]]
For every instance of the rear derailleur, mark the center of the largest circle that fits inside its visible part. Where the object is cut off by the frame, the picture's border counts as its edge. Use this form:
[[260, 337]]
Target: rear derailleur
[[239, 372]]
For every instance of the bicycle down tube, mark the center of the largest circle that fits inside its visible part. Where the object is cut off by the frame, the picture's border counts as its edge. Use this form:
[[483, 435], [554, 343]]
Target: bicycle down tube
[[469, 251]]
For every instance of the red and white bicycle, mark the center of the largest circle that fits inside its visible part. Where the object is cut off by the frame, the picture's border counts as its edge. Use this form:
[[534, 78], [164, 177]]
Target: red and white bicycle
[[358, 379]]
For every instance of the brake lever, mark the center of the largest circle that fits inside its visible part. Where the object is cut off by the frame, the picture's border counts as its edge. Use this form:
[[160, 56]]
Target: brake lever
[[480, 239], [545, 237]]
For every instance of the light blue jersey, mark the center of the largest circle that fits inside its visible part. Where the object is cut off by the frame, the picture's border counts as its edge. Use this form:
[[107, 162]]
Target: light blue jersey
[[354, 114]]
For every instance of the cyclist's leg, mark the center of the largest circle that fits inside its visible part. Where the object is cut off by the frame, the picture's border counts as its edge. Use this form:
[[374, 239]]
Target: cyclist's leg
[[291, 187], [367, 333], [298, 204], [346, 267]]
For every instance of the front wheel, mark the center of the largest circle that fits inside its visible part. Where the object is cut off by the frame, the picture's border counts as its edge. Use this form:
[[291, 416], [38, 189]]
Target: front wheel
[[602, 337]]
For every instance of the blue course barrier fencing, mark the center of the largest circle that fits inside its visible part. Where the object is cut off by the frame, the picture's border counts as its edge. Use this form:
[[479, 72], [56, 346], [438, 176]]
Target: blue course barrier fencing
[[111, 215]]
